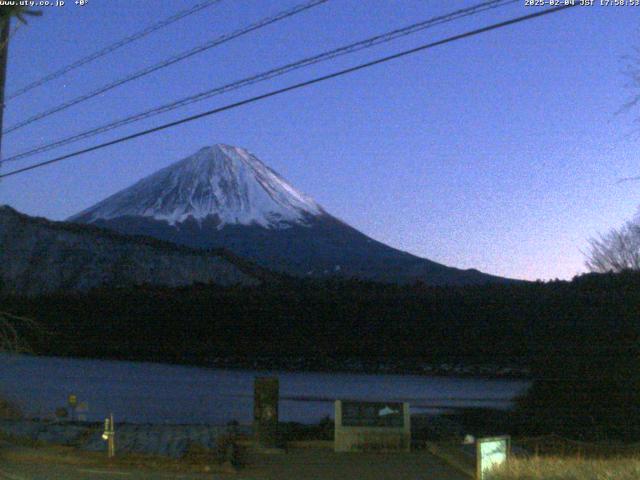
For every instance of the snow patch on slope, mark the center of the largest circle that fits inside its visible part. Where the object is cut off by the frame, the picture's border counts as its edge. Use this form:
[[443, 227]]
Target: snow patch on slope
[[221, 181]]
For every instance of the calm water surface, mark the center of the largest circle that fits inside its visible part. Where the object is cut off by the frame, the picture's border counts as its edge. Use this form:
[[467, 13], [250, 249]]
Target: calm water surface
[[156, 393]]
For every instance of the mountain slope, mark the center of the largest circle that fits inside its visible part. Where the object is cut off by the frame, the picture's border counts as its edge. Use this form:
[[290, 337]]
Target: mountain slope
[[223, 196], [38, 256]]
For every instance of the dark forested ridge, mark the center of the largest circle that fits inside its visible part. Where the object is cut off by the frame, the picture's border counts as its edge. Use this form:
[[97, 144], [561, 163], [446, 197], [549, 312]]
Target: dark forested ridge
[[337, 319]]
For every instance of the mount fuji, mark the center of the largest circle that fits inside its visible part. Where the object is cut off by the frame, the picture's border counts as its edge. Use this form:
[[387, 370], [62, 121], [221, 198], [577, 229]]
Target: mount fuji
[[223, 196]]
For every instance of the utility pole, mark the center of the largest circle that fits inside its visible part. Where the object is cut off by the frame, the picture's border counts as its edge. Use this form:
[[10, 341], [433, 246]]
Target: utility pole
[[4, 54]]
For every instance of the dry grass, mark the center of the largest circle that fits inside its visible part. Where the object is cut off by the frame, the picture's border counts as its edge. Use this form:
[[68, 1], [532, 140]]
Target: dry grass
[[557, 468], [38, 453]]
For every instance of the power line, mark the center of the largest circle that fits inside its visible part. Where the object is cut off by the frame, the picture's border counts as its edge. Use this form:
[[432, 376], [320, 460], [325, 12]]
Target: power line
[[296, 86], [114, 46], [170, 61], [354, 47]]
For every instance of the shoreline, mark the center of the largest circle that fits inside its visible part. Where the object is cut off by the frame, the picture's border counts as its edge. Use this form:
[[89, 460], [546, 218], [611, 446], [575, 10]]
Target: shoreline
[[390, 367], [345, 366]]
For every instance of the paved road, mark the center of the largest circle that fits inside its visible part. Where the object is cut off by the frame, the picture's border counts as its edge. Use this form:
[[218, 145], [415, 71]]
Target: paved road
[[26, 471], [302, 464], [320, 464]]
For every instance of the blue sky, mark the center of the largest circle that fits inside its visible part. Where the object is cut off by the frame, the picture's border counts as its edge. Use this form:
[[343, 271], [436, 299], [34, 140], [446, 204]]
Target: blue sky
[[499, 152]]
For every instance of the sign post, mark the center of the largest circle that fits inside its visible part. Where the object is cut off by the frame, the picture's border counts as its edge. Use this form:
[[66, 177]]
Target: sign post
[[265, 411], [81, 411], [491, 452], [73, 403]]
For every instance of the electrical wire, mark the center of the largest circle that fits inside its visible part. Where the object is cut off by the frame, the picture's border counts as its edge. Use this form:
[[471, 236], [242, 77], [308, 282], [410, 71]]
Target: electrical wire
[[308, 61], [114, 46], [296, 86], [170, 61]]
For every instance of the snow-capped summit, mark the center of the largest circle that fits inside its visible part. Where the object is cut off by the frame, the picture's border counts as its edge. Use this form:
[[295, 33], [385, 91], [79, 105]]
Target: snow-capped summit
[[222, 182]]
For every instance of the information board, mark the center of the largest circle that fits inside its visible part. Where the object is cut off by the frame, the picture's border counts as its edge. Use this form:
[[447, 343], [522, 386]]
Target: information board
[[491, 453], [372, 414]]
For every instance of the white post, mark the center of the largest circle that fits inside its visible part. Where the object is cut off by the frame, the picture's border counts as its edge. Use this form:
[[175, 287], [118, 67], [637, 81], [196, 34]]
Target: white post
[[109, 435]]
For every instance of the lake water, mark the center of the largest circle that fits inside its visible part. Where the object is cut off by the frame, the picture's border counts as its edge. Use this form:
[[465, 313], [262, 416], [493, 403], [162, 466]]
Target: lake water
[[140, 392]]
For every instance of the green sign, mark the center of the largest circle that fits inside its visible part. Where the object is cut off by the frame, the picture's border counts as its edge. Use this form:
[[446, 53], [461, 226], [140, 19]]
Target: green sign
[[491, 453]]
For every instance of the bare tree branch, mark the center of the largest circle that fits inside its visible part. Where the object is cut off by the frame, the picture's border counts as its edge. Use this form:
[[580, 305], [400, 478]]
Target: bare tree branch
[[616, 251], [628, 179], [11, 327], [631, 70]]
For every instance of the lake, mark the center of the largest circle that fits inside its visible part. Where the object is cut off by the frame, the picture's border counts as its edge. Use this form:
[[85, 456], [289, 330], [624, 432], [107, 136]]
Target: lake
[[139, 392]]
